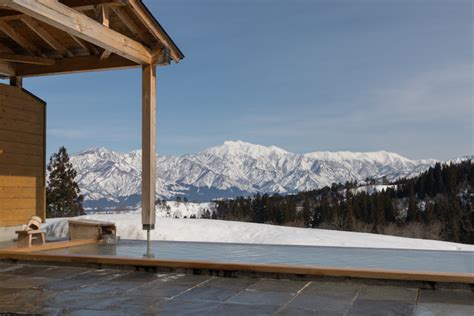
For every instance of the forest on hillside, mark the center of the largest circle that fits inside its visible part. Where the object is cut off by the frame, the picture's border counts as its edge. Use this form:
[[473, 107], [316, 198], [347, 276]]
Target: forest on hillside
[[437, 204]]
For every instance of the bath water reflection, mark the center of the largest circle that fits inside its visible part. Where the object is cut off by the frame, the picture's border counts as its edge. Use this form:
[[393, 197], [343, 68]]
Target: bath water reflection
[[344, 257]]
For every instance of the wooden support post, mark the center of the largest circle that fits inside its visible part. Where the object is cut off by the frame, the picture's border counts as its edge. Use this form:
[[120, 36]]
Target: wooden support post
[[148, 145], [16, 81]]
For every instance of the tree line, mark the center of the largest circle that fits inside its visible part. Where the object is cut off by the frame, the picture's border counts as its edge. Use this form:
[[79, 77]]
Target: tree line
[[436, 204]]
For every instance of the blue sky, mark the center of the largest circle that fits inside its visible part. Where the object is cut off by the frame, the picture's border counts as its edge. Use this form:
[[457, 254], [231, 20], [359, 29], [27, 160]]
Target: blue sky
[[308, 75]]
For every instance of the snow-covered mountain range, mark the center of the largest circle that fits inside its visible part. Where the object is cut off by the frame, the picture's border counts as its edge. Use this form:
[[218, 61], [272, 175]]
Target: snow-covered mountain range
[[109, 178]]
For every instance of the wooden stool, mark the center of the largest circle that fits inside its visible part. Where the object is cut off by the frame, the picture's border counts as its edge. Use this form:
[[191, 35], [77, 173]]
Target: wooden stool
[[25, 237]]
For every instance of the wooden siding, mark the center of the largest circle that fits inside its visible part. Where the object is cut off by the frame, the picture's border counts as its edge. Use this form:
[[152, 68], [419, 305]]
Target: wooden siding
[[22, 156]]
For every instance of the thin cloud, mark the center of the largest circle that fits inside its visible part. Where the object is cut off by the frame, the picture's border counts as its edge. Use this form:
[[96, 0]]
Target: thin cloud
[[428, 115]]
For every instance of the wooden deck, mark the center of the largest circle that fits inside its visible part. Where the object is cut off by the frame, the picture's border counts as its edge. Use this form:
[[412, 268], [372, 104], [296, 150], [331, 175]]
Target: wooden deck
[[47, 246]]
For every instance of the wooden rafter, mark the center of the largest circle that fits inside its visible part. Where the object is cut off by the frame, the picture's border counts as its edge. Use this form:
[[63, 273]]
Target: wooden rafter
[[101, 13], [75, 65], [128, 21], [79, 5], [80, 25], [91, 49], [4, 48], [105, 54], [26, 59], [92, 3], [45, 36], [150, 24], [17, 37]]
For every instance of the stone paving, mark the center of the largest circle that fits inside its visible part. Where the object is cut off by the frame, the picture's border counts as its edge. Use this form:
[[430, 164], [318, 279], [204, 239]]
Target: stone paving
[[52, 290]]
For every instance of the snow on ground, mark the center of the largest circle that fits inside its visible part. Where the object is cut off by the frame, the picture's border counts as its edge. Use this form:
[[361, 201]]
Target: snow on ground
[[172, 209], [372, 188], [180, 209], [206, 230]]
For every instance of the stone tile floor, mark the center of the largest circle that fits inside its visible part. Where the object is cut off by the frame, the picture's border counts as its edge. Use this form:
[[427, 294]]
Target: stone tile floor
[[53, 290]]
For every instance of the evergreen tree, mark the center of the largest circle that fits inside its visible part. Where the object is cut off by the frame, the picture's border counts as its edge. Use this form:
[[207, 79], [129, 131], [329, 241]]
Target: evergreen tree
[[206, 214], [451, 230], [363, 207], [306, 211], [411, 212], [258, 209], [63, 198], [430, 183], [428, 214], [379, 212], [438, 176], [388, 207], [449, 178], [421, 187], [349, 221], [370, 210]]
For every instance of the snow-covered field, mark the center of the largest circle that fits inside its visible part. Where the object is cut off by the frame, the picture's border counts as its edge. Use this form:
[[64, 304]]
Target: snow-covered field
[[206, 230]]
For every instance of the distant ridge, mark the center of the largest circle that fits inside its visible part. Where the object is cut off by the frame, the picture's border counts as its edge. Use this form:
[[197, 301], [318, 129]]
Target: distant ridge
[[109, 178]]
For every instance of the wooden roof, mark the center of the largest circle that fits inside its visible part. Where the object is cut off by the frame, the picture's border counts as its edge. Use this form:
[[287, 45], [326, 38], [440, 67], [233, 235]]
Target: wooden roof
[[44, 37]]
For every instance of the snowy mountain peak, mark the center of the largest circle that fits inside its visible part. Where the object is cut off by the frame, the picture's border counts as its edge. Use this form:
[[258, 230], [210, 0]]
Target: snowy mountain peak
[[235, 168], [94, 151], [239, 147], [383, 157]]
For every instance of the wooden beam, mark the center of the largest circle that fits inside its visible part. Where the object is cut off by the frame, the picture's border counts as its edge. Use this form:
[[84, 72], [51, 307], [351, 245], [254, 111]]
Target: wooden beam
[[79, 5], [45, 36], [130, 23], [148, 145], [105, 54], [27, 59], [17, 37], [7, 68], [92, 3], [80, 25], [16, 81], [101, 13], [151, 25], [75, 65], [88, 47], [4, 48]]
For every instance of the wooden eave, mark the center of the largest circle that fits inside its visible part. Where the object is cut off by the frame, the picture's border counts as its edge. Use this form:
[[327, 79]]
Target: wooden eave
[[45, 37]]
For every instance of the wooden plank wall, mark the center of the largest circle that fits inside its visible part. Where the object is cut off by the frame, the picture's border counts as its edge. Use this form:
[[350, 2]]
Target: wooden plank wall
[[22, 156]]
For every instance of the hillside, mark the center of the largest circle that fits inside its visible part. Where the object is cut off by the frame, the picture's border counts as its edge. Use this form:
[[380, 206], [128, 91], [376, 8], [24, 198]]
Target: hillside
[[437, 204]]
